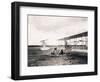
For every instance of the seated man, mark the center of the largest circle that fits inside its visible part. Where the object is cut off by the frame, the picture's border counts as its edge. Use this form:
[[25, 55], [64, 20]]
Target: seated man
[[54, 52], [61, 52]]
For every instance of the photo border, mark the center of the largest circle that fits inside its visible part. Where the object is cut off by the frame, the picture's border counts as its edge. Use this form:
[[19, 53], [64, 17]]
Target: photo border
[[15, 40]]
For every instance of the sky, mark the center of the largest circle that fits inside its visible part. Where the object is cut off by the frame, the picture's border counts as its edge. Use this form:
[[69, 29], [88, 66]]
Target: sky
[[52, 28]]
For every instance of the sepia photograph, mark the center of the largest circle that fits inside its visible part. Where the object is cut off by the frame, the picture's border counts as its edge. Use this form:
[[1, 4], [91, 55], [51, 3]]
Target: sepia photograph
[[57, 40], [53, 40]]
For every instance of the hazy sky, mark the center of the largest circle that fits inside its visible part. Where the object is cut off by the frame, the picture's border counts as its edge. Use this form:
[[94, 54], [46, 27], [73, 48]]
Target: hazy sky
[[53, 28]]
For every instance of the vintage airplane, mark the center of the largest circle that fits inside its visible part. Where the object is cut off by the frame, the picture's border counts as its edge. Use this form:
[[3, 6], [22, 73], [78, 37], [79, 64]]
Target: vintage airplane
[[44, 47]]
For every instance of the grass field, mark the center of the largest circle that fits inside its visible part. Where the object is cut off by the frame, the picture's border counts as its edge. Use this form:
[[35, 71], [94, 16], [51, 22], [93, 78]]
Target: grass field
[[37, 57]]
